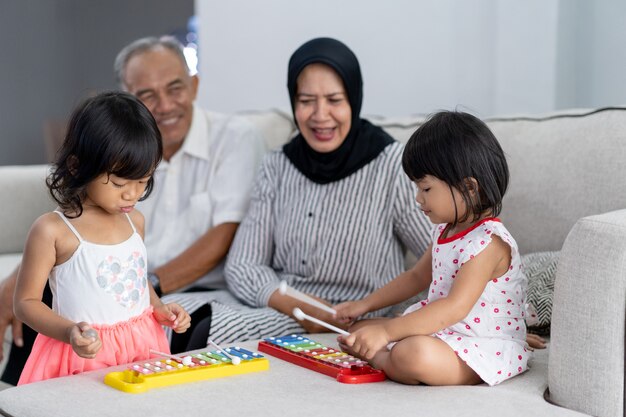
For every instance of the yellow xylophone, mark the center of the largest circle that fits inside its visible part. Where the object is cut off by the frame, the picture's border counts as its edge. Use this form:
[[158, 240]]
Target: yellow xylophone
[[155, 373]]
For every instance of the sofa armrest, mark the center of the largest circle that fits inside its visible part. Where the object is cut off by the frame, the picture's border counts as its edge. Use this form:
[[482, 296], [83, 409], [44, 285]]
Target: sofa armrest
[[24, 198], [586, 368]]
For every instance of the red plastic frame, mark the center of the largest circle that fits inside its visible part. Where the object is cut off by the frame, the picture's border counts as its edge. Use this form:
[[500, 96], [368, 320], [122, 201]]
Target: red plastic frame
[[354, 375]]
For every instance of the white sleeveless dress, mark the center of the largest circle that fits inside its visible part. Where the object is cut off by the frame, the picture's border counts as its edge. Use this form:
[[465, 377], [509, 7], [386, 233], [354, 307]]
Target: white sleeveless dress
[[105, 286]]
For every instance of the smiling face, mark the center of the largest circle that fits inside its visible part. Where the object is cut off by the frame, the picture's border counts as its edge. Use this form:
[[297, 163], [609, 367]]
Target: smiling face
[[322, 110], [161, 81], [114, 194], [438, 201]]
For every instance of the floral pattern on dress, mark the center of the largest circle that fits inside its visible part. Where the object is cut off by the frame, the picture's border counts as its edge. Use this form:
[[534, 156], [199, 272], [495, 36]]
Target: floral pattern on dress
[[125, 281], [491, 339]]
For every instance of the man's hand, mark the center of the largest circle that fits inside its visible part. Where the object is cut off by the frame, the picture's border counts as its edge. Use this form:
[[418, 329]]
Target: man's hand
[[7, 318]]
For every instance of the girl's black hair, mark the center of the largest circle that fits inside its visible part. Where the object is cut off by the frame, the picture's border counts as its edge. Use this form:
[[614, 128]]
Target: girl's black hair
[[455, 146], [111, 133]]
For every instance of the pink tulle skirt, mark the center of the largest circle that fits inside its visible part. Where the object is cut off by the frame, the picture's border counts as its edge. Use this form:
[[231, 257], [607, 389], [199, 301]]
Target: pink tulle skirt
[[122, 342]]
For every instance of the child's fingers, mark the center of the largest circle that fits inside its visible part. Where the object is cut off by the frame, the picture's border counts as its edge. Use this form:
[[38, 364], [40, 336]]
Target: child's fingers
[[93, 348], [183, 319], [180, 318], [77, 336], [177, 311], [83, 326], [181, 328], [183, 322], [171, 312], [347, 340], [85, 347]]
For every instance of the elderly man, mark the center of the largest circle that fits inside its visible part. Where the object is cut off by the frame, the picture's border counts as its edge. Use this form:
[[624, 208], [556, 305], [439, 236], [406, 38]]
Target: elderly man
[[201, 188]]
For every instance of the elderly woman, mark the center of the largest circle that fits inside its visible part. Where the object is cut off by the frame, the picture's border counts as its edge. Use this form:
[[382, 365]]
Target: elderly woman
[[331, 212]]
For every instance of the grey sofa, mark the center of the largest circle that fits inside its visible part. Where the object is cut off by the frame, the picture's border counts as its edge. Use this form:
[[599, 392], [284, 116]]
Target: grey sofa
[[567, 192]]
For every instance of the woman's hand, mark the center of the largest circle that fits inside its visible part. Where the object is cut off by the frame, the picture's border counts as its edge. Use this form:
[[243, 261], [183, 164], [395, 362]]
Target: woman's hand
[[350, 311], [286, 304], [172, 315], [84, 340]]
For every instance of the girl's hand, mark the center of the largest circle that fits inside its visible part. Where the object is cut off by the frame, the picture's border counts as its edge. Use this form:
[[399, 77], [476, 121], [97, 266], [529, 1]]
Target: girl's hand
[[350, 311], [84, 340], [172, 315], [367, 341]]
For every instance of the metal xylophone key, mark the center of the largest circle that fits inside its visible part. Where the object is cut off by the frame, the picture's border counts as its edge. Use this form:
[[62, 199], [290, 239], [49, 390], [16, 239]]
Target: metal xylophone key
[[156, 373]]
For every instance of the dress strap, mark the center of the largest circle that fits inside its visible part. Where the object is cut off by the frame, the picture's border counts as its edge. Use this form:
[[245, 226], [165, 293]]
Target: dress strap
[[131, 223], [67, 222]]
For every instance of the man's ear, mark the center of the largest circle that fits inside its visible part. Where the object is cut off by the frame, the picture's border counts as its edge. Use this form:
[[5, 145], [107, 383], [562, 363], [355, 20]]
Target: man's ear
[[195, 81], [72, 164]]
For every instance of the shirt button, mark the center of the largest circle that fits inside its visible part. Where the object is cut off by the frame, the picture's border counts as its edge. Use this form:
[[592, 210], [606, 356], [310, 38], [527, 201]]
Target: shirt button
[[303, 262], [310, 214]]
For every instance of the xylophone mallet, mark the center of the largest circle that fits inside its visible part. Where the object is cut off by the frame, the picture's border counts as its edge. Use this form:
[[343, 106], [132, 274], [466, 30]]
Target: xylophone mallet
[[186, 360], [301, 315], [235, 360], [285, 289]]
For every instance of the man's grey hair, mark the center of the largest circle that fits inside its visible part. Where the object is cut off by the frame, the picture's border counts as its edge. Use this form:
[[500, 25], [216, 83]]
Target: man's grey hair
[[143, 45]]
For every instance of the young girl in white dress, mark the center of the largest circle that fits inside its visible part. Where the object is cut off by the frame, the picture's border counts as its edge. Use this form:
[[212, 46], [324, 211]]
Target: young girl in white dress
[[471, 327], [104, 312]]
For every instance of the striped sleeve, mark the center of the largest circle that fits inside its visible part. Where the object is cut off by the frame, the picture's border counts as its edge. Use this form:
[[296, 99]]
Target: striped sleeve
[[248, 270]]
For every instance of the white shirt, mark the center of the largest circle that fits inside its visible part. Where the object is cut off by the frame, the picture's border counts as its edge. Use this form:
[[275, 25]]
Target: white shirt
[[206, 183]]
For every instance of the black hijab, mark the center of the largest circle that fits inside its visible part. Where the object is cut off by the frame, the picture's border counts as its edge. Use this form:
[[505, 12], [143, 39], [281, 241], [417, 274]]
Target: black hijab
[[364, 141]]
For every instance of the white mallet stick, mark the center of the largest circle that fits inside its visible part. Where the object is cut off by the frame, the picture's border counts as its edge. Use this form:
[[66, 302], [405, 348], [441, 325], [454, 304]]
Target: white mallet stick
[[285, 289], [184, 360], [301, 315], [236, 360]]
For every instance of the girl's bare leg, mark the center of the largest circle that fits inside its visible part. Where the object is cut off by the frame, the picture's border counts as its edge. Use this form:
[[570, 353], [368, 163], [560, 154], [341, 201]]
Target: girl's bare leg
[[426, 360]]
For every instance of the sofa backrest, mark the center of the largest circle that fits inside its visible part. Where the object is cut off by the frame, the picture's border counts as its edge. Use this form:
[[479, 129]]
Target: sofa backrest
[[24, 198], [564, 166]]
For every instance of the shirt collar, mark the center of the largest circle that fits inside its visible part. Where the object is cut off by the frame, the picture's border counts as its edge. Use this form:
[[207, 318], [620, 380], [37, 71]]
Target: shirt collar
[[197, 141]]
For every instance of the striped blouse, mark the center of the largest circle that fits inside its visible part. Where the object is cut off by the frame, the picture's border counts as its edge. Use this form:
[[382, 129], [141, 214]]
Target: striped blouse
[[338, 241]]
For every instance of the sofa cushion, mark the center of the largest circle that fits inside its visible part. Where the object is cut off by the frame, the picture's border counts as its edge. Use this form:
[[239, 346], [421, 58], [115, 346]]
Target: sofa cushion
[[276, 126], [285, 387], [564, 166], [540, 269]]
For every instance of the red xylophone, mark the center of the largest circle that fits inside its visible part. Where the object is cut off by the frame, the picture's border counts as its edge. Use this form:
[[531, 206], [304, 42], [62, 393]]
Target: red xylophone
[[307, 353]]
